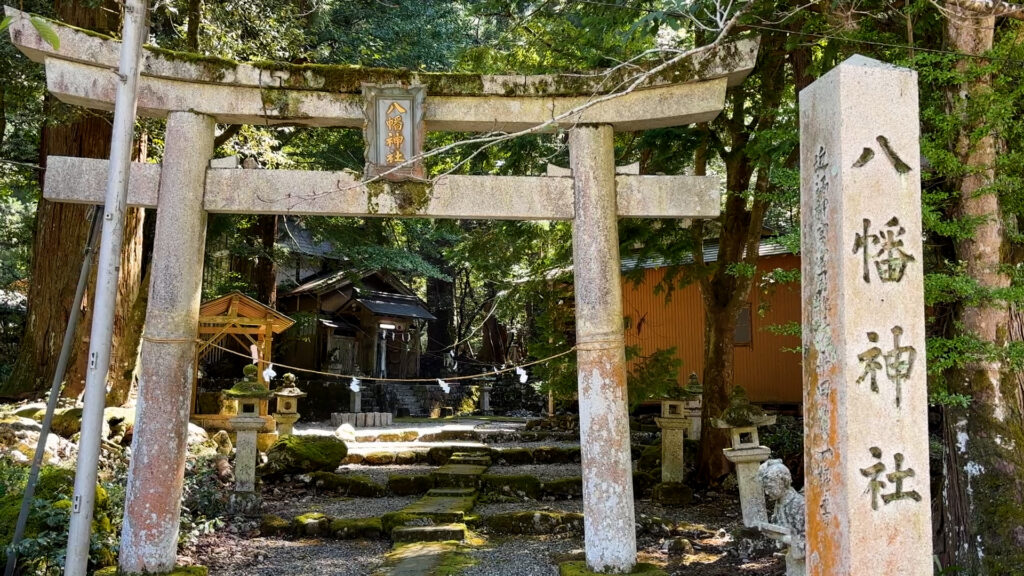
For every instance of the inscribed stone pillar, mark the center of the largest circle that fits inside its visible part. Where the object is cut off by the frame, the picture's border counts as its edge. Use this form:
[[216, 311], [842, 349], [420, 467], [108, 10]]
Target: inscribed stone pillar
[[601, 357], [355, 401], [153, 498], [672, 433], [246, 427], [865, 405]]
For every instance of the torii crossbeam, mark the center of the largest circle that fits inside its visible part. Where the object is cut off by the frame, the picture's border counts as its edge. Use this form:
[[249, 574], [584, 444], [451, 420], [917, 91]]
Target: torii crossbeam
[[194, 94]]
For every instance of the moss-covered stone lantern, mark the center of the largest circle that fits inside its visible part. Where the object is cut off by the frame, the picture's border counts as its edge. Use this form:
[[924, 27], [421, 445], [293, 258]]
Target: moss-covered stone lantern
[[287, 413], [247, 393]]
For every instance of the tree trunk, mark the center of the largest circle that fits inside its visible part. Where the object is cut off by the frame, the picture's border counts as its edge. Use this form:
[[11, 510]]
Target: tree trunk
[[984, 467], [61, 230], [440, 332], [719, 330], [266, 268]]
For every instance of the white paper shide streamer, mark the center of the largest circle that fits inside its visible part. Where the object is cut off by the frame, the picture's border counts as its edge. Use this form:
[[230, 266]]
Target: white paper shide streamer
[[523, 377], [354, 384], [269, 373], [444, 386]]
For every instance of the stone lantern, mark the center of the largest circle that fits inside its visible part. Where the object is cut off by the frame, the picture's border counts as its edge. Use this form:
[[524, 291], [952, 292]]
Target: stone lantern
[[248, 393], [673, 424], [287, 413], [485, 396], [742, 419]]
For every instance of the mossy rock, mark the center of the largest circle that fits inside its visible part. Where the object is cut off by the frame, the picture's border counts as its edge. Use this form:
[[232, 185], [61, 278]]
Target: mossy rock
[[409, 485], [513, 456], [556, 455], [379, 458], [439, 455], [536, 522], [393, 520], [355, 528], [311, 524], [563, 488], [410, 436], [389, 437], [297, 454], [643, 482], [359, 486], [579, 568], [34, 411], [672, 494], [650, 459], [271, 525], [353, 459], [178, 571], [67, 422], [406, 457], [523, 486]]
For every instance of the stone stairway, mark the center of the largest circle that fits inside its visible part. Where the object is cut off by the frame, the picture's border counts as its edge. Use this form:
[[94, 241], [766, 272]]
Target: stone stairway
[[407, 397], [440, 515]]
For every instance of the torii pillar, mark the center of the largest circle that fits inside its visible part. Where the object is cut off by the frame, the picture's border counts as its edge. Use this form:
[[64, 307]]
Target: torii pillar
[[608, 518]]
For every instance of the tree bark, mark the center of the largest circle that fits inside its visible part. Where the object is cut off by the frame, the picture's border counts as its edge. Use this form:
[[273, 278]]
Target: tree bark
[[60, 235], [984, 469], [266, 268]]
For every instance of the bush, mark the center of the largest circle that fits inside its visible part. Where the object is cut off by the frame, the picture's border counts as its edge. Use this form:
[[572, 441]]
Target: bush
[[786, 439], [42, 549]]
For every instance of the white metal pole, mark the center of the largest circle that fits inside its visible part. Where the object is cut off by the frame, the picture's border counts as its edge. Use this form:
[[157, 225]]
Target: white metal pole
[[134, 31]]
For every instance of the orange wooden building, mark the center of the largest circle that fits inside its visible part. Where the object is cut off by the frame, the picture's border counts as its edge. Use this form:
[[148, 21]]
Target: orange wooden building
[[767, 364]]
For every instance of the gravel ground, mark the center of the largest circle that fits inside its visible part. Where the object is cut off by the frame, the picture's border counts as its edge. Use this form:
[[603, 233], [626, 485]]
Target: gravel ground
[[522, 556], [338, 507], [541, 471], [487, 509], [230, 555], [379, 474]]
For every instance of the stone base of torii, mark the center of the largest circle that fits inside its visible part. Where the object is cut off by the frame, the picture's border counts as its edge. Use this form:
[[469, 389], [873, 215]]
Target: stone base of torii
[[193, 98]]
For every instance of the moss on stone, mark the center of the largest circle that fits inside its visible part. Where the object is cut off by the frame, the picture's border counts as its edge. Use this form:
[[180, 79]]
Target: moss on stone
[[67, 422], [408, 485], [650, 459], [563, 488], [556, 455], [672, 494], [513, 456], [535, 522], [271, 525], [353, 528], [346, 485], [247, 389], [579, 568], [393, 520], [439, 455], [523, 486], [410, 196], [310, 524], [379, 458], [303, 454]]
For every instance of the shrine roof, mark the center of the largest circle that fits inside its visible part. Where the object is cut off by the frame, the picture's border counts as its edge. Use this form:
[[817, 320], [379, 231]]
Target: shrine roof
[[237, 308], [732, 61]]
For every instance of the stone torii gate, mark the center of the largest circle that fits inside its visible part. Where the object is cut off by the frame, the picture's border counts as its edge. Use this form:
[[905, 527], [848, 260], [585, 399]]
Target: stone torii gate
[[195, 93]]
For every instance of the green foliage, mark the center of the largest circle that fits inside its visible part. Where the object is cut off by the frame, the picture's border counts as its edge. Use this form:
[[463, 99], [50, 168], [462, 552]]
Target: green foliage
[[41, 551], [204, 500], [46, 31]]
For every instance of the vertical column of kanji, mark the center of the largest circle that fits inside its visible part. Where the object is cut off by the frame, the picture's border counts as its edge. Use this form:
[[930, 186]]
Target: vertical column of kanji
[[153, 501], [601, 357], [865, 397]]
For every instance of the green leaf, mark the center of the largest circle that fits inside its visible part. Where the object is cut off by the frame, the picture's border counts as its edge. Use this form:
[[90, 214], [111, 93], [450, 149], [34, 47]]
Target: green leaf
[[5, 23], [46, 32]]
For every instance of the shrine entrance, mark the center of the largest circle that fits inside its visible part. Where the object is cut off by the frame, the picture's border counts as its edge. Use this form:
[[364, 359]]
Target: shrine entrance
[[397, 108]]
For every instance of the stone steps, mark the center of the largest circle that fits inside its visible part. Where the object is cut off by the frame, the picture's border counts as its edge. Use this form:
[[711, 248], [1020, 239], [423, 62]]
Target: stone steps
[[458, 476], [435, 533]]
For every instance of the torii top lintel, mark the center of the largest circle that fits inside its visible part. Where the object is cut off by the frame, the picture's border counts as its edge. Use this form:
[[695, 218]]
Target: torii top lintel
[[82, 71]]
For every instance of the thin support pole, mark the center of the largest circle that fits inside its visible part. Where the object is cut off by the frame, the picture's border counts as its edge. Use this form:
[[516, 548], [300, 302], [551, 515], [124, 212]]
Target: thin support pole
[[134, 31], [58, 379]]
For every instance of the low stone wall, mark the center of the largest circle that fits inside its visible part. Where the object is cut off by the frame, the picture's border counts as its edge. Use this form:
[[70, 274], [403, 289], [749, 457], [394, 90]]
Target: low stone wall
[[362, 419]]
